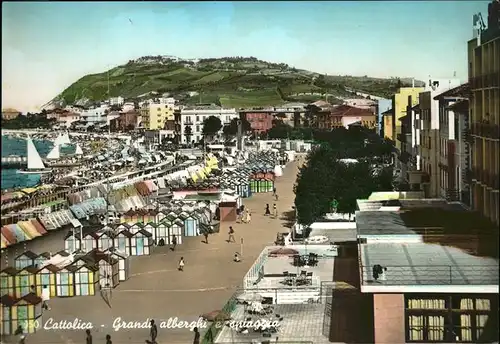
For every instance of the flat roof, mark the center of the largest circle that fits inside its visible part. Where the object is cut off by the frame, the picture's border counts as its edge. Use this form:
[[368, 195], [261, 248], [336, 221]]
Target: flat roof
[[302, 323], [417, 217], [375, 223], [336, 234], [422, 267]]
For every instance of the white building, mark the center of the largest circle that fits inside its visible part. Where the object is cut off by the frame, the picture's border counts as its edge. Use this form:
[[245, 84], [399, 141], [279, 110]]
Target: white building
[[128, 107], [95, 116], [166, 101], [194, 117], [116, 101]]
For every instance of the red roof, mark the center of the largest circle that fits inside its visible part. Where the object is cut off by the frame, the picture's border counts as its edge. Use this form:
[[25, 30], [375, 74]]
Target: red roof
[[346, 110]]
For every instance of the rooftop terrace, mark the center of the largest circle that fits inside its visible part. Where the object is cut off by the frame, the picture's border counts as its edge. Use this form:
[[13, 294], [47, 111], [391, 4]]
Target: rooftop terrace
[[301, 323], [422, 267]]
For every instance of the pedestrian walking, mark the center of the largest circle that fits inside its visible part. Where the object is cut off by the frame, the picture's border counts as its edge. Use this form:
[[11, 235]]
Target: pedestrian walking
[[275, 210], [274, 191], [45, 298], [205, 234], [174, 242], [196, 339], [268, 211], [88, 338], [181, 264], [153, 331], [276, 197], [231, 235], [108, 339]]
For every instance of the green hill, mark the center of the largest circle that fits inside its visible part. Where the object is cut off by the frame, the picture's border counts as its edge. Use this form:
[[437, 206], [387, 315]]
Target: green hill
[[232, 81]]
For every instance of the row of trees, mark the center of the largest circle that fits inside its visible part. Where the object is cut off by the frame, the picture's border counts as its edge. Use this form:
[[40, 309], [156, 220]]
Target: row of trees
[[325, 181], [212, 125], [30, 121]]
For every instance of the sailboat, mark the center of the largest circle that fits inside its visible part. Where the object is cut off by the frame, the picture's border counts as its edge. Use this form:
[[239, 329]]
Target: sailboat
[[54, 153], [35, 163], [78, 150], [65, 140]]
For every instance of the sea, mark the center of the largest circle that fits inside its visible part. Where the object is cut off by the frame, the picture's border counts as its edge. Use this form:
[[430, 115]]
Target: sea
[[17, 146]]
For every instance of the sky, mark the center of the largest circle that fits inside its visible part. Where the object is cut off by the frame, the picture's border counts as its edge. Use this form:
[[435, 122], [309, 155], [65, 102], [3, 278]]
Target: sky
[[46, 46]]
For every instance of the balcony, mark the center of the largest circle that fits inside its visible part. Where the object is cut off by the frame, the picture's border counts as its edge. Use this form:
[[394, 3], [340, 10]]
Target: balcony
[[486, 130], [485, 81]]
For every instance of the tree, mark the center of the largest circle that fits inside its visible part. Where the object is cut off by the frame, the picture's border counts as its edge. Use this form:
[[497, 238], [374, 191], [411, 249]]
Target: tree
[[280, 131], [232, 128], [326, 177], [188, 132], [211, 126]]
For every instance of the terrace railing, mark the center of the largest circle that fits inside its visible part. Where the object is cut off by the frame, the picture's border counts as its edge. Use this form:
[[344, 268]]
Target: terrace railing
[[215, 327], [434, 275]]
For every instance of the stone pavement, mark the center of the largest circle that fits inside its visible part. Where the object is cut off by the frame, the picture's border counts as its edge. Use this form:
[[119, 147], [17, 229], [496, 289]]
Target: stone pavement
[[157, 290]]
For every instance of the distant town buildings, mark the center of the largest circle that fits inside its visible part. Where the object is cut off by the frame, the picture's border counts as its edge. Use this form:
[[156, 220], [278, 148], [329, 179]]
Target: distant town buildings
[[9, 114], [95, 116], [116, 101], [260, 121]]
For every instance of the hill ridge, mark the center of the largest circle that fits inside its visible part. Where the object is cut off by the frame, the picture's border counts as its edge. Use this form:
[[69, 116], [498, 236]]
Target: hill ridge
[[231, 81]]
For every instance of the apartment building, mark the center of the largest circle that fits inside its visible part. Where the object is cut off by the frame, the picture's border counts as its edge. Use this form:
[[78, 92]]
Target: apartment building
[[454, 145], [124, 121], [193, 117], [388, 119], [428, 125], [155, 115], [127, 107], [95, 116], [438, 287], [344, 115], [484, 80], [260, 121], [383, 105], [116, 101], [399, 106]]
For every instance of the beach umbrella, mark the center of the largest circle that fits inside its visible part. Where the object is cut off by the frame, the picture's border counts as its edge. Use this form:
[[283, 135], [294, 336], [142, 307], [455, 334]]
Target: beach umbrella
[[284, 251], [216, 315]]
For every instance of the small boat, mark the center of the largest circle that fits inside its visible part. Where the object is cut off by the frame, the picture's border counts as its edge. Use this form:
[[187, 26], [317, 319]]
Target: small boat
[[35, 162]]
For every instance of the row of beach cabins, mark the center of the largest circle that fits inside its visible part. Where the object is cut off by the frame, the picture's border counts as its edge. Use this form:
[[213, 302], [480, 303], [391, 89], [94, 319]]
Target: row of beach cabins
[[100, 255]]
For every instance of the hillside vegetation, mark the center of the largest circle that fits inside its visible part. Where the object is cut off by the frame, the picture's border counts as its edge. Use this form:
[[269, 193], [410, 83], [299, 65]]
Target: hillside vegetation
[[232, 82]]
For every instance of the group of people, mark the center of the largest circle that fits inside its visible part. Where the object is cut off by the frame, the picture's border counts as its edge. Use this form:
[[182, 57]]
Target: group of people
[[267, 211], [244, 215]]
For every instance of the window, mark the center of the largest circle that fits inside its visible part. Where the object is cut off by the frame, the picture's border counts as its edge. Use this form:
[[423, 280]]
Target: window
[[197, 128], [450, 318], [197, 118]]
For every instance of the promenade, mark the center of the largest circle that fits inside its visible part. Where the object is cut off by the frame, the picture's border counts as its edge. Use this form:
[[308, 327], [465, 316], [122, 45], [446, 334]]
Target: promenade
[[157, 290]]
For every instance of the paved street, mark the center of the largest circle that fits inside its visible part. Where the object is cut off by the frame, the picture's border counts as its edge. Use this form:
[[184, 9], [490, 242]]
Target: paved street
[[157, 290]]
